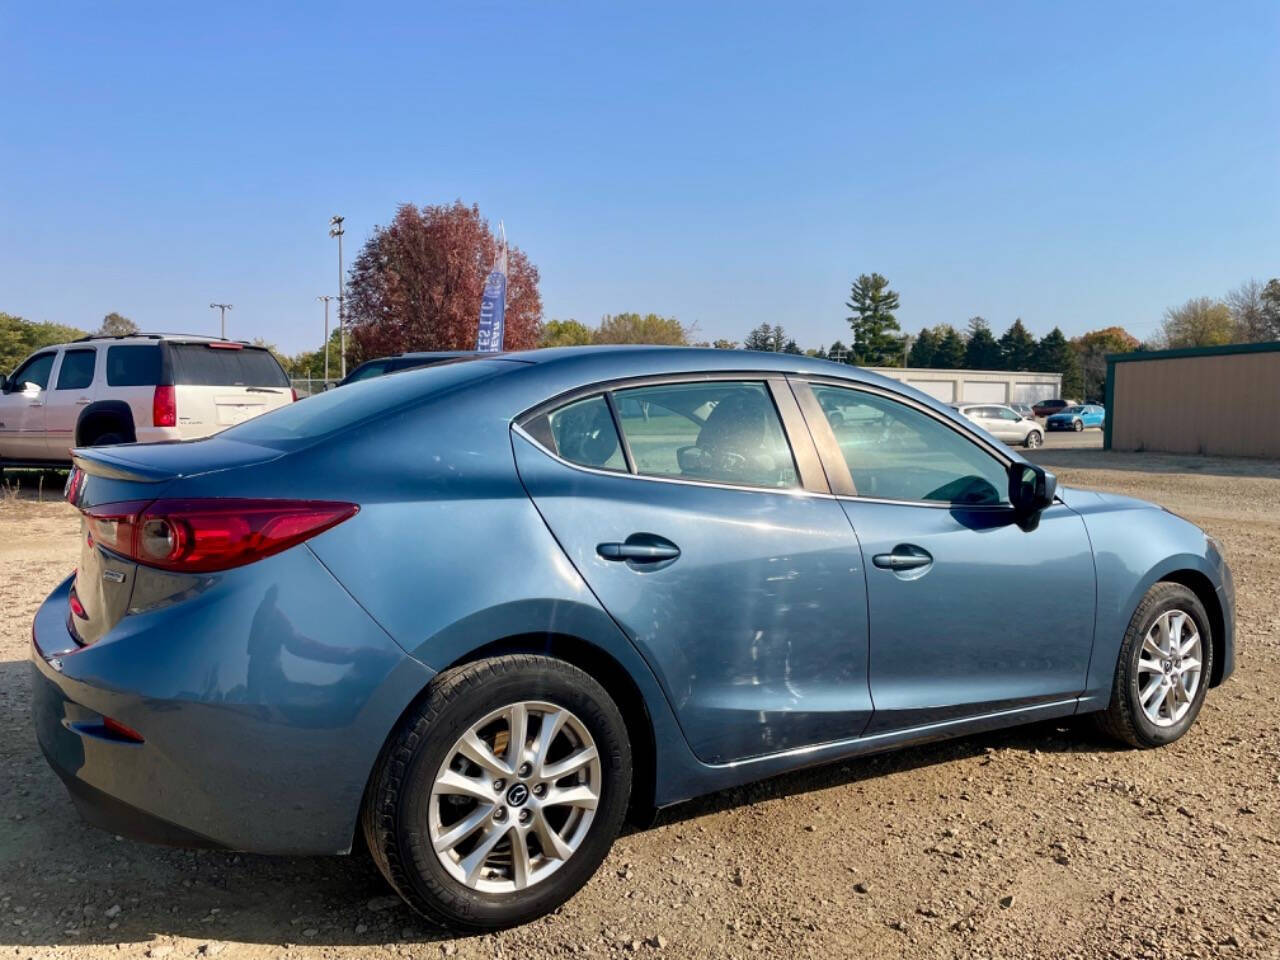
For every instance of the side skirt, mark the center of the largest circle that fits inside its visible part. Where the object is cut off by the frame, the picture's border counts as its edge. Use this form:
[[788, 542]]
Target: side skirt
[[715, 777]]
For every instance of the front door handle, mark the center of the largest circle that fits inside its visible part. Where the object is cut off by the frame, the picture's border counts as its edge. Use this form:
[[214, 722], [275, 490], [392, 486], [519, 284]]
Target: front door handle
[[83, 402], [640, 548], [905, 556]]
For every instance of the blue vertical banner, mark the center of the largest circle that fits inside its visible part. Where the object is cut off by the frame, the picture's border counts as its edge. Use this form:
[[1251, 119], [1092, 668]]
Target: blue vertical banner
[[493, 306]]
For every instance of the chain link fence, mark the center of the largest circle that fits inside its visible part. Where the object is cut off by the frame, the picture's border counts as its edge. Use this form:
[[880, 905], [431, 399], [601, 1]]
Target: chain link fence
[[307, 386]]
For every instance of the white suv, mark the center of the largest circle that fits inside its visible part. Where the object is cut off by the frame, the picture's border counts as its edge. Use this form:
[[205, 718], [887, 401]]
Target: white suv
[[1004, 423], [144, 388]]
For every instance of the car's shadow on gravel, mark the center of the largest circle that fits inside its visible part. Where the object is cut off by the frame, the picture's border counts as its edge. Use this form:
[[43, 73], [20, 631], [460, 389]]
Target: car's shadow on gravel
[[65, 883], [1070, 735]]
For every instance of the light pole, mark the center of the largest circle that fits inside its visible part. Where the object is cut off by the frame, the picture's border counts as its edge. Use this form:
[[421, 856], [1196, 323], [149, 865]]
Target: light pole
[[223, 307], [335, 230], [326, 298]]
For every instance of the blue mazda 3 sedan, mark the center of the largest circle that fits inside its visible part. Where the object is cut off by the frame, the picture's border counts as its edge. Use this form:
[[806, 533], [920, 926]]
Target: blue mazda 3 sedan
[[475, 613], [1077, 418]]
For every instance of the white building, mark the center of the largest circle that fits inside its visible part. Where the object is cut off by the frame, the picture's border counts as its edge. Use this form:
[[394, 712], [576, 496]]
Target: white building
[[979, 386]]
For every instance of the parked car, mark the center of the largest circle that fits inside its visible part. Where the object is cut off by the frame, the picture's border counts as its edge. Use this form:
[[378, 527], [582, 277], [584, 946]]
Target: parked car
[[1046, 407], [1022, 409], [405, 361], [1003, 423], [144, 387], [1077, 418], [473, 612]]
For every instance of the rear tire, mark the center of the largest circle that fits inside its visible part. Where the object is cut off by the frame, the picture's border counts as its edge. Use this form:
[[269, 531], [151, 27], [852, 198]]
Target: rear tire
[[1126, 718], [106, 439], [431, 808]]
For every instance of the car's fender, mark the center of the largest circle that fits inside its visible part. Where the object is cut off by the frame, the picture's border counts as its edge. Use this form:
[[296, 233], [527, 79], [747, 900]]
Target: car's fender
[[1135, 545]]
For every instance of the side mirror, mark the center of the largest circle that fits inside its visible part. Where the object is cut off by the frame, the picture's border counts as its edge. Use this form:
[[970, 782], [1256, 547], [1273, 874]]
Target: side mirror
[[1031, 488]]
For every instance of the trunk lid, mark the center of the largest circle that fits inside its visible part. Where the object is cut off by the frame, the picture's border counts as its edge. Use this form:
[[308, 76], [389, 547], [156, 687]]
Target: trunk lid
[[130, 476], [155, 462]]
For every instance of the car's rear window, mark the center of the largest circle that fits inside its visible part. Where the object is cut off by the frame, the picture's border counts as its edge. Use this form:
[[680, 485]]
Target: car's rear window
[[200, 365], [344, 407], [134, 365]]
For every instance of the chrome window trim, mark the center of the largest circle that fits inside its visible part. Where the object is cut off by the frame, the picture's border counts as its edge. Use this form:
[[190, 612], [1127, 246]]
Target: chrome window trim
[[796, 491], [810, 478]]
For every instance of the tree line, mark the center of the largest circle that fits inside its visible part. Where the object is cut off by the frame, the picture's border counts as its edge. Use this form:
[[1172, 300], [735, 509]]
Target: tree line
[[416, 284]]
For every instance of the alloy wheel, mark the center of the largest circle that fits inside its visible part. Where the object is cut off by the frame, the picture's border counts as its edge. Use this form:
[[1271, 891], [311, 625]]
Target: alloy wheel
[[515, 797], [1169, 668], [1034, 439]]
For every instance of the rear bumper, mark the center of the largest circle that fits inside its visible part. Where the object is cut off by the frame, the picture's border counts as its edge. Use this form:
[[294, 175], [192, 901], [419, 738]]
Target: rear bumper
[[263, 703], [81, 752]]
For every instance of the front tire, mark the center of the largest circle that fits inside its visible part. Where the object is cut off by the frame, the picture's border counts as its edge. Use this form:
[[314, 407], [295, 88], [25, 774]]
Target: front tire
[[1034, 439], [1163, 670], [1077, 425], [500, 793]]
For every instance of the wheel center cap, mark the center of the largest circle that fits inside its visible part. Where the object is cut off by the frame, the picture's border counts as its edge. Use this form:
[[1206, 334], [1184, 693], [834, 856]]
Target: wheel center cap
[[517, 795]]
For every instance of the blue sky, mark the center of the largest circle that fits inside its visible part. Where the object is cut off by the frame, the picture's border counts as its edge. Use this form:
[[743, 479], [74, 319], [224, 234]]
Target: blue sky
[[1072, 164]]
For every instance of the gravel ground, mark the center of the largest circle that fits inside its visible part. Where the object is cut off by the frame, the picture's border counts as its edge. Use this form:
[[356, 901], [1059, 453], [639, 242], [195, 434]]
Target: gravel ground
[[1045, 841]]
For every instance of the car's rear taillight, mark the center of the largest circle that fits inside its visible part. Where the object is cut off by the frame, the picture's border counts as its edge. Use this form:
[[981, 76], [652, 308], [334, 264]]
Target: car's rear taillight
[[201, 536], [164, 407]]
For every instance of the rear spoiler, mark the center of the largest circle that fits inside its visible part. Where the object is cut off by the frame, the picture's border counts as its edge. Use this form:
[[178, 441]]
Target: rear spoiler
[[102, 463]]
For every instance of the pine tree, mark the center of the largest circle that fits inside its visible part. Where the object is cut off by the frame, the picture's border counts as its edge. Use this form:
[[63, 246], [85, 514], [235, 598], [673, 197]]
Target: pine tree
[[924, 349], [764, 337], [982, 351], [1017, 347], [951, 349], [839, 353], [873, 322], [1055, 355]]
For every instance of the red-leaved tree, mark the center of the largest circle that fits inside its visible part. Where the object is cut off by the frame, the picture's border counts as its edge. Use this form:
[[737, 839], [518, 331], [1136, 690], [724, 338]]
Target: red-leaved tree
[[418, 282]]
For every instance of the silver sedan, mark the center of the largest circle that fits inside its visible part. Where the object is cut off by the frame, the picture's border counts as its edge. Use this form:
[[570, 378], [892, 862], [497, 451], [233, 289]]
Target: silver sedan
[[1004, 423]]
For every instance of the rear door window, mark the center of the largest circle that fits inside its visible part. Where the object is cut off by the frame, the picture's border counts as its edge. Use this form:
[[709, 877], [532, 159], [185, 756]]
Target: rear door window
[[200, 365], [134, 365], [719, 431], [584, 433], [76, 372]]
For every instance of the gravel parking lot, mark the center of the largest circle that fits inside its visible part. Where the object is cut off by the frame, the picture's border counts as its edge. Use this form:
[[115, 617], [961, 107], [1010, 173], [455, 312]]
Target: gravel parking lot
[[1045, 841]]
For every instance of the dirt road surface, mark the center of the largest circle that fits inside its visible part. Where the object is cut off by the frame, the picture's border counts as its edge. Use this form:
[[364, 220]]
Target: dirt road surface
[[1045, 841]]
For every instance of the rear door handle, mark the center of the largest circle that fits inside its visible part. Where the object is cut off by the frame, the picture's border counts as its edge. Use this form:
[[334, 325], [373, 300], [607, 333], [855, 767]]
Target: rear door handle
[[905, 556], [640, 548]]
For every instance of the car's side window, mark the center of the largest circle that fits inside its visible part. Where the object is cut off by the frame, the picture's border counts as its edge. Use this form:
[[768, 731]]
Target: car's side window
[[719, 431], [1006, 414], [36, 370], [130, 365], [896, 452], [76, 372], [584, 433]]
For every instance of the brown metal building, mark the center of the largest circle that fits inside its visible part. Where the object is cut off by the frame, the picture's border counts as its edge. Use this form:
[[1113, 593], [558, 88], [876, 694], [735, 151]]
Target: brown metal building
[[1211, 400]]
